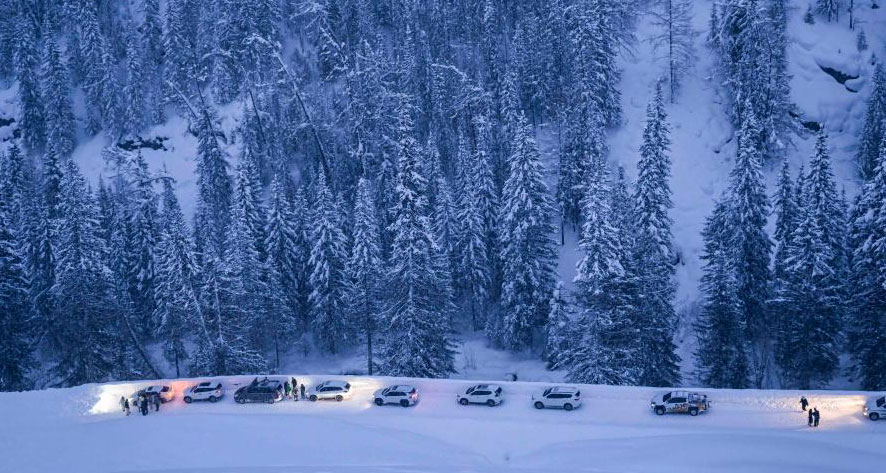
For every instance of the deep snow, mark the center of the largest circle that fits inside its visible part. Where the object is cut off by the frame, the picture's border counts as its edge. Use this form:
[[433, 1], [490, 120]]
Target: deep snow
[[81, 430]]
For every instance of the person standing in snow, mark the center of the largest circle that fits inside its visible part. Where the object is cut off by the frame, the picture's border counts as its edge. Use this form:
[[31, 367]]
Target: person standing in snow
[[815, 416], [803, 403], [810, 415], [143, 404], [123, 403], [156, 403], [302, 389], [287, 389]]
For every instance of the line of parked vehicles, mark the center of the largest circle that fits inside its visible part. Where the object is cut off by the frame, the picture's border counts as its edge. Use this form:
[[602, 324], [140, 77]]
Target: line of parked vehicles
[[555, 397]]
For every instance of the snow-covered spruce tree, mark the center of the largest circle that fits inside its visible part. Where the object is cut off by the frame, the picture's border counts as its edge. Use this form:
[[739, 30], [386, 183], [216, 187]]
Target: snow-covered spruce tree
[[238, 289], [593, 43], [786, 220], [27, 67], [558, 329], [57, 106], [527, 247], [722, 353], [867, 302], [584, 144], [675, 39], [874, 130], [417, 342], [176, 310], [604, 348], [808, 342], [653, 251], [364, 272], [473, 271], [179, 44], [153, 54], [134, 105], [142, 244], [213, 190], [100, 81], [752, 247], [16, 324], [281, 247], [84, 340], [752, 63], [830, 9], [328, 257]]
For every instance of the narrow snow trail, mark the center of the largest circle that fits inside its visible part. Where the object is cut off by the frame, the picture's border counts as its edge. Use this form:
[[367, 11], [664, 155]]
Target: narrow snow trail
[[81, 430]]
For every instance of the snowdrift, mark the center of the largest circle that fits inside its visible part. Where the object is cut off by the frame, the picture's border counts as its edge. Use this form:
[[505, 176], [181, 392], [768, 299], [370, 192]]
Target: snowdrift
[[81, 430]]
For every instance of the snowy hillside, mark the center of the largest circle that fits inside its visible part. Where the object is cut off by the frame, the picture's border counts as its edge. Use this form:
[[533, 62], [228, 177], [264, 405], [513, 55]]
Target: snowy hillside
[[81, 430]]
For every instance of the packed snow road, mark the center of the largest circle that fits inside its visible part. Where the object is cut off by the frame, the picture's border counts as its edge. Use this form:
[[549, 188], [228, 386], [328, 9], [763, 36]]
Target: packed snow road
[[82, 430]]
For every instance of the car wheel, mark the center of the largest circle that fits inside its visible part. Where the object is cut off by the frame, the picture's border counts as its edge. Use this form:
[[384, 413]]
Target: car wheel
[[379, 401], [490, 403], [693, 411], [313, 398], [213, 399], [339, 398], [404, 403], [188, 399], [660, 410], [539, 405], [240, 401], [463, 401], [874, 416], [567, 406]]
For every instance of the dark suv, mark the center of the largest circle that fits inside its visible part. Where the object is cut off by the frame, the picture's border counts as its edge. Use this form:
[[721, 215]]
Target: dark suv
[[265, 390]]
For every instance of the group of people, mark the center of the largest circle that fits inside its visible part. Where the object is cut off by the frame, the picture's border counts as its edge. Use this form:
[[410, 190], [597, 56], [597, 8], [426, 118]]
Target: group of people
[[813, 414], [293, 389], [142, 402]]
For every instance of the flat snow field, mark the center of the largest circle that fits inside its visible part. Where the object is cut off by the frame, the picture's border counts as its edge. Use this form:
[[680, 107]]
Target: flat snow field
[[81, 430]]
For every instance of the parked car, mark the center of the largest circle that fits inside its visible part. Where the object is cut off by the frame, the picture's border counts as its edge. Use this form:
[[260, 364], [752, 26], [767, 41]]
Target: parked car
[[680, 402], [401, 394], [875, 408], [265, 390], [165, 393], [336, 390], [561, 397], [489, 394], [210, 391]]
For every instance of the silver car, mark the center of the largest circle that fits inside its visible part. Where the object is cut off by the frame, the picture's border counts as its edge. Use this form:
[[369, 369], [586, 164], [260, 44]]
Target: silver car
[[875, 408]]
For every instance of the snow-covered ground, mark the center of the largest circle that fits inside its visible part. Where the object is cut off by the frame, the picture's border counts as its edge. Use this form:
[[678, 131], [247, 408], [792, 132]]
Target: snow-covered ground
[[81, 430]]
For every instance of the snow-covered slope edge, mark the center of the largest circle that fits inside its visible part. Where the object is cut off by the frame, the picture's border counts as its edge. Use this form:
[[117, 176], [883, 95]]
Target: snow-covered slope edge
[[81, 429]]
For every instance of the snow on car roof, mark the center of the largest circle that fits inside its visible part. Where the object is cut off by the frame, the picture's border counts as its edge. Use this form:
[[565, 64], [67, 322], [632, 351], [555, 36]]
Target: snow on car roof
[[335, 383], [563, 389], [401, 387]]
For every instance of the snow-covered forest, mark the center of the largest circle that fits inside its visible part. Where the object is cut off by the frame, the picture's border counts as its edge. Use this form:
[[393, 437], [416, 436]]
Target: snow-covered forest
[[388, 176]]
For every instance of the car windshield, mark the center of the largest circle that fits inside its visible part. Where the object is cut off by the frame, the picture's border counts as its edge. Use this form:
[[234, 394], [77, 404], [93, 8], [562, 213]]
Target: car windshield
[[881, 401], [666, 397], [471, 389], [547, 391], [386, 391]]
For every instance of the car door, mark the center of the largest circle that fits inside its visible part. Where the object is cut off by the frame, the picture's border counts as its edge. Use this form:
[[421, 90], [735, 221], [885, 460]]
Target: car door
[[480, 396], [394, 397], [678, 404]]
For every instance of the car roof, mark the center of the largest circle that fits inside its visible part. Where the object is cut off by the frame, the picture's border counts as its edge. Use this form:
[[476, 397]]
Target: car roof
[[337, 383], [563, 389], [490, 387], [401, 387], [204, 384]]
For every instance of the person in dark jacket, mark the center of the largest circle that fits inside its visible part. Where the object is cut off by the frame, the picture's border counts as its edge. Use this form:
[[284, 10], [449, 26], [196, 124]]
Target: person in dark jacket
[[302, 389], [156, 403], [125, 405], [287, 389], [815, 416], [803, 403], [143, 404], [811, 416]]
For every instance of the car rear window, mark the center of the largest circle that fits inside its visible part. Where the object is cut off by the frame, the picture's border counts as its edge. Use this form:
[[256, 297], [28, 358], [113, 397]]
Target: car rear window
[[347, 385], [498, 391]]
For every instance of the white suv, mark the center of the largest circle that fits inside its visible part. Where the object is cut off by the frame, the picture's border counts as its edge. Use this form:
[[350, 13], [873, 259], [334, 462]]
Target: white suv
[[489, 394], [165, 393], [206, 391], [875, 408], [563, 397], [337, 390], [401, 394]]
